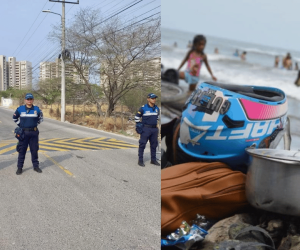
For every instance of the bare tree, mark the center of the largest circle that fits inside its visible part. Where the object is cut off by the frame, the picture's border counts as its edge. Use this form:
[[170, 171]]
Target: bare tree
[[123, 55]]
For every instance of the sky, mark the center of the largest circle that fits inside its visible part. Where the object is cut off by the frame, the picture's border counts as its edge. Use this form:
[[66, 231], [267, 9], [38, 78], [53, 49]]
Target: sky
[[267, 22], [25, 28]]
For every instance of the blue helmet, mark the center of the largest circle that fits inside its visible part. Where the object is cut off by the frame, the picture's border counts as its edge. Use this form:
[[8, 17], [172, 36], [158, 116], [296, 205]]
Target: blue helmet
[[220, 120]]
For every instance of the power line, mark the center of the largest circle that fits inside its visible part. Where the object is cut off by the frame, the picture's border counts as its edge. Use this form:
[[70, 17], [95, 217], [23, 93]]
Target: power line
[[118, 13], [104, 5], [137, 22], [70, 9], [139, 7], [45, 52], [48, 59], [30, 28], [33, 32], [49, 51], [107, 11], [37, 66], [143, 14], [38, 46]]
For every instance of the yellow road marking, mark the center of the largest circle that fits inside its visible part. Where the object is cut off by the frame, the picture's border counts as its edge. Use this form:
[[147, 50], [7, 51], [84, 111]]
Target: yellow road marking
[[10, 141], [112, 142], [55, 139], [57, 164], [7, 149], [112, 139], [66, 144], [52, 148], [63, 145], [67, 139], [86, 146], [106, 143], [99, 139]]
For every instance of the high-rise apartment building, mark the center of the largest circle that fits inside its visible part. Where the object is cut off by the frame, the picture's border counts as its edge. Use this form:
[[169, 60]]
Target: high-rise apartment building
[[50, 70], [15, 74], [3, 73], [25, 74], [11, 71]]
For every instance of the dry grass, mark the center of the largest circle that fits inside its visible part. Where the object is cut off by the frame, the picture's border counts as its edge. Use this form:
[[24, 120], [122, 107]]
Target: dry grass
[[90, 119], [85, 108]]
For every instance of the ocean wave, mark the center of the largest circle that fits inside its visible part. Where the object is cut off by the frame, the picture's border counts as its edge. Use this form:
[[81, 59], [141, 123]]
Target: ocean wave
[[219, 57], [171, 63], [269, 53], [168, 47], [263, 52], [296, 59], [237, 72]]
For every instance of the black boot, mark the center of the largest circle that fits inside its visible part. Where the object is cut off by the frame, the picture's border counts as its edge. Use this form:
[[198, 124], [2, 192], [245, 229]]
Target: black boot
[[155, 162], [19, 171], [141, 163], [37, 169]]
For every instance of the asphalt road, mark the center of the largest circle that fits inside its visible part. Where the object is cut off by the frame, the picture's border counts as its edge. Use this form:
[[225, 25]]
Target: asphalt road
[[90, 196]]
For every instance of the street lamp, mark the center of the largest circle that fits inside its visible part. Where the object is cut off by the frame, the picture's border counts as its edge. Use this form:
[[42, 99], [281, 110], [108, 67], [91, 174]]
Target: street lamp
[[63, 84], [48, 11]]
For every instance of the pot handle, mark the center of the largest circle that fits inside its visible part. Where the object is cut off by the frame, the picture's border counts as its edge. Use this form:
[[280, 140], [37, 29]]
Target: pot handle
[[287, 139]]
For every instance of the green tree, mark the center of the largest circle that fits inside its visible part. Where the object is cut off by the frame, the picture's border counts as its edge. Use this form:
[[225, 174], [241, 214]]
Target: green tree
[[49, 90], [137, 97], [15, 94]]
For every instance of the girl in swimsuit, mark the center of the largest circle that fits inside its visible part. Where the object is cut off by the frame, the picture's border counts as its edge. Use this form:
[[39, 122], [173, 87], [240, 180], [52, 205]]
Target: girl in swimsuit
[[194, 58]]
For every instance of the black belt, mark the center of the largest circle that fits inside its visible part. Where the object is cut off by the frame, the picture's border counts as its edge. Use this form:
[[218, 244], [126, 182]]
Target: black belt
[[30, 129], [149, 126]]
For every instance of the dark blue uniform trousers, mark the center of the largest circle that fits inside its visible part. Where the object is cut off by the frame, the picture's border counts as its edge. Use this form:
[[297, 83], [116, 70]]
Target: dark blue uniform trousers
[[31, 139], [151, 135]]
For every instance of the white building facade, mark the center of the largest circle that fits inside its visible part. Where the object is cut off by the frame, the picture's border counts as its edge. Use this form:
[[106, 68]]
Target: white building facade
[[3, 73], [25, 75], [50, 70], [15, 74]]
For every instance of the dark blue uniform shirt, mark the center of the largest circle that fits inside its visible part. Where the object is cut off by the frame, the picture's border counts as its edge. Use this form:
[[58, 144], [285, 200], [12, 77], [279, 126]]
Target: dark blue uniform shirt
[[28, 117], [149, 115]]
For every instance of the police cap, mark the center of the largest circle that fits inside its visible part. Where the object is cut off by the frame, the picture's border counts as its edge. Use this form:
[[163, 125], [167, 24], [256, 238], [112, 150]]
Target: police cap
[[151, 95], [29, 96]]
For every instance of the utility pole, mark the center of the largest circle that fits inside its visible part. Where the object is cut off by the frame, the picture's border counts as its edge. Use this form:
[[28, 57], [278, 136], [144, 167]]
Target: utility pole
[[63, 66]]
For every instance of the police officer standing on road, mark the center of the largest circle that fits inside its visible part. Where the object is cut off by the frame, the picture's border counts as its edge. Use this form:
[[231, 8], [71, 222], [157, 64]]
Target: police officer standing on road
[[147, 128], [28, 117]]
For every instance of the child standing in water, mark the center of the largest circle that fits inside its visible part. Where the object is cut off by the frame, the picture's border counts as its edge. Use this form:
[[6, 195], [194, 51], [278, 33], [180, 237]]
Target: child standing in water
[[194, 58]]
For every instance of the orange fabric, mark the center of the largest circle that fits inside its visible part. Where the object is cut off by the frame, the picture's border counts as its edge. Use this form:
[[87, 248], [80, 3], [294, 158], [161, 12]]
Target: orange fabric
[[210, 189]]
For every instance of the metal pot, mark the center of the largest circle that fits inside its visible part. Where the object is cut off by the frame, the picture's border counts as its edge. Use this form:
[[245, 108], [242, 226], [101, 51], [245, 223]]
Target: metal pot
[[273, 180]]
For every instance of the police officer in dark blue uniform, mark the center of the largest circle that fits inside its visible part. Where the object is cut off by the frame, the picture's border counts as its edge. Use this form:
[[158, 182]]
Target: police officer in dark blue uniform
[[28, 117], [147, 128]]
